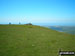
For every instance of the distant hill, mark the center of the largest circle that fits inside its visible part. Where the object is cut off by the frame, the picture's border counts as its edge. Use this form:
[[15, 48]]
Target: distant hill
[[66, 29], [29, 40]]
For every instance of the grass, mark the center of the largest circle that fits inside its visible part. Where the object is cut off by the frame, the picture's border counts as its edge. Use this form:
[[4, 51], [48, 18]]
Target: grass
[[29, 40]]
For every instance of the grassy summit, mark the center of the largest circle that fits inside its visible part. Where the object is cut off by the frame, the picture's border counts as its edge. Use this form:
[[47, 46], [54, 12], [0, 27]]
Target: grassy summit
[[28, 40]]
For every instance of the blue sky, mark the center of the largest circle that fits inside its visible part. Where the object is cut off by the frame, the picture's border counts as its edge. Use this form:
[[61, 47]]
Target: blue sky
[[40, 12]]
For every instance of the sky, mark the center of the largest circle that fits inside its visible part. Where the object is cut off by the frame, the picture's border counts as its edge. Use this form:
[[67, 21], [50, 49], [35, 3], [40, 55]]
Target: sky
[[38, 12]]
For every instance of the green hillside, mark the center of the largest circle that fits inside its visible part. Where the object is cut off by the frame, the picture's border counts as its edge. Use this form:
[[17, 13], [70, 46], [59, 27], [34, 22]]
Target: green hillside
[[28, 40]]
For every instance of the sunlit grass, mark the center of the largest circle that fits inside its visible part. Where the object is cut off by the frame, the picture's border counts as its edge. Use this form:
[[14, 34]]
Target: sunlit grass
[[29, 40]]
